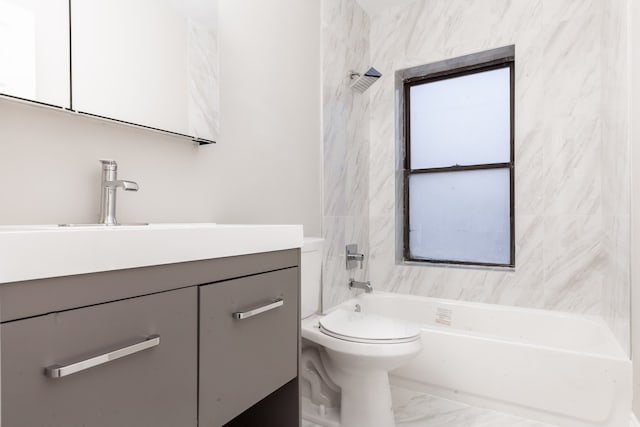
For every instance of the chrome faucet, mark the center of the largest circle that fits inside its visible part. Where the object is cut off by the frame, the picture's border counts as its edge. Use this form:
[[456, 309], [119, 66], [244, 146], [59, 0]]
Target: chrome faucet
[[110, 184], [361, 285]]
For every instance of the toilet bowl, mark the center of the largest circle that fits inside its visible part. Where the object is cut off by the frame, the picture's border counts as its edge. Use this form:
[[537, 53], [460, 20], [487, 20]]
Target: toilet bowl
[[358, 348], [359, 351]]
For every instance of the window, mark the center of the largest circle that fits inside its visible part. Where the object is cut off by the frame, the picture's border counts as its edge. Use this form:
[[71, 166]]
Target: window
[[458, 163]]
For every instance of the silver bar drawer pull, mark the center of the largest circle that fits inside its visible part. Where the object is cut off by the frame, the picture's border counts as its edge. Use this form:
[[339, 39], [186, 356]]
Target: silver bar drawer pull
[[59, 371], [254, 311]]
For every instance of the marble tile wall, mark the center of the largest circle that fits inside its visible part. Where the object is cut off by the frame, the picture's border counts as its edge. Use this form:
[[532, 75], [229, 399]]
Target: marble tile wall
[[561, 180], [416, 409], [616, 154], [345, 48], [571, 151]]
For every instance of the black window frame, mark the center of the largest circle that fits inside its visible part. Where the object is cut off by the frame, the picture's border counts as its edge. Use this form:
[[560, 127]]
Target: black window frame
[[408, 83]]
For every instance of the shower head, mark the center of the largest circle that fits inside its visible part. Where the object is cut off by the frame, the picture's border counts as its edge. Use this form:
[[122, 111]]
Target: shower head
[[361, 83]]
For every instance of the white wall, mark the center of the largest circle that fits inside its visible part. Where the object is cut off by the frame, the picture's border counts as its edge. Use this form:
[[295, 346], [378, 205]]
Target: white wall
[[52, 174], [264, 169], [270, 113]]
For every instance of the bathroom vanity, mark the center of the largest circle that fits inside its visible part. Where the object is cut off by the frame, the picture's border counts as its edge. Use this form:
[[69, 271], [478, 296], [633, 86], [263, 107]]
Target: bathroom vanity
[[205, 342]]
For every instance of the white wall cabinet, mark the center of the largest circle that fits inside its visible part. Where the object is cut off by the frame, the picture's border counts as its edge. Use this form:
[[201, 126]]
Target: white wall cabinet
[[34, 50], [151, 63], [147, 62]]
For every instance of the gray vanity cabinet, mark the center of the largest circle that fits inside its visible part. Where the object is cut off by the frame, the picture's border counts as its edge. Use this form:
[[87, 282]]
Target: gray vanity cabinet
[[248, 343], [154, 387], [207, 363]]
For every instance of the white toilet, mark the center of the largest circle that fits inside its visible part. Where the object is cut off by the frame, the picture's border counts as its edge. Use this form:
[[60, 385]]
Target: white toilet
[[359, 348]]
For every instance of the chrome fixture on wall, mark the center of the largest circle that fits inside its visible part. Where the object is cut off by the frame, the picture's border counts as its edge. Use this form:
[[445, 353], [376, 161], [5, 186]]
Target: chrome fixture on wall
[[353, 257], [354, 284], [110, 184], [362, 82]]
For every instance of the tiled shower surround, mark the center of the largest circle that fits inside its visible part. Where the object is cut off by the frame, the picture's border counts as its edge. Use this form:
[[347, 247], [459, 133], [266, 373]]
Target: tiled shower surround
[[571, 149], [345, 119], [616, 152]]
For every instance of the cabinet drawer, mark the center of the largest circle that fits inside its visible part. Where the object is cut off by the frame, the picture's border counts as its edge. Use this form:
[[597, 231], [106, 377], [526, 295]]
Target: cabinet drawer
[[242, 360], [154, 386]]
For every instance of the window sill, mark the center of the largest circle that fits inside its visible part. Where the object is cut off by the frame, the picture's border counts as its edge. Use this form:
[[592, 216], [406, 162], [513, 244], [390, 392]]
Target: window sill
[[501, 268]]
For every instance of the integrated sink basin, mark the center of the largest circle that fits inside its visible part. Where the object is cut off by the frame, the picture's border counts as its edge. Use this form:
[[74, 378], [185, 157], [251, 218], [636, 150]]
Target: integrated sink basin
[[29, 252], [141, 225], [104, 225]]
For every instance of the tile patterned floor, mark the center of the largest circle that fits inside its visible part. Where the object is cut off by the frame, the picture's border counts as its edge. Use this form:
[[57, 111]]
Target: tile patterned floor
[[414, 409]]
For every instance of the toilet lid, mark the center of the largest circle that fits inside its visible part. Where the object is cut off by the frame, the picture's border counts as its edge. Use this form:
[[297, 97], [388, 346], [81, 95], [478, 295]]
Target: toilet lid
[[368, 328]]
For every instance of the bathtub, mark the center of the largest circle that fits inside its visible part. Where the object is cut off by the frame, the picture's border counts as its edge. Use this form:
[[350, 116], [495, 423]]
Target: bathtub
[[558, 368]]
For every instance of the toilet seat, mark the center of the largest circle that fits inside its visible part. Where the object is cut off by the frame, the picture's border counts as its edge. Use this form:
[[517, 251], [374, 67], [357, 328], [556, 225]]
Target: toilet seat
[[368, 328]]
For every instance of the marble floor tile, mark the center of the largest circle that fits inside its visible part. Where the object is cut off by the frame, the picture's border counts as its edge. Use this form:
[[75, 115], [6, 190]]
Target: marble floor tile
[[416, 409]]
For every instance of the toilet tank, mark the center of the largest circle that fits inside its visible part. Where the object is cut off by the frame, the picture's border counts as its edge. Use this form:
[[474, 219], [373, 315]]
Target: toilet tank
[[311, 276]]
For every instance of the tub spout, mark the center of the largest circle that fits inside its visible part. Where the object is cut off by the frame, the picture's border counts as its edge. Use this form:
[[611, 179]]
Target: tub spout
[[361, 285]]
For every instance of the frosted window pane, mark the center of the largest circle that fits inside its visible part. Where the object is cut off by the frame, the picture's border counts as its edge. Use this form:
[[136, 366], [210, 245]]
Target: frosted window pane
[[463, 120], [461, 216]]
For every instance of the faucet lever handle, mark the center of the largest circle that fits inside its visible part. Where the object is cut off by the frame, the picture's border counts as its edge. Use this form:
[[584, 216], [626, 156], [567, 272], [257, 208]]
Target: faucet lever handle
[[129, 185], [353, 257]]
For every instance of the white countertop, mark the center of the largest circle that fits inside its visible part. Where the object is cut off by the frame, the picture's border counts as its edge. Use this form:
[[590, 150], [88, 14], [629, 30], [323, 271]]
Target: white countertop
[[42, 251]]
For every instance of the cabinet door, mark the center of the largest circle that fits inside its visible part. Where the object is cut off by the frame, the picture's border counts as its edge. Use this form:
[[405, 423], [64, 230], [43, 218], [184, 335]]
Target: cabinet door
[[34, 50], [147, 62], [244, 360], [153, 387]]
